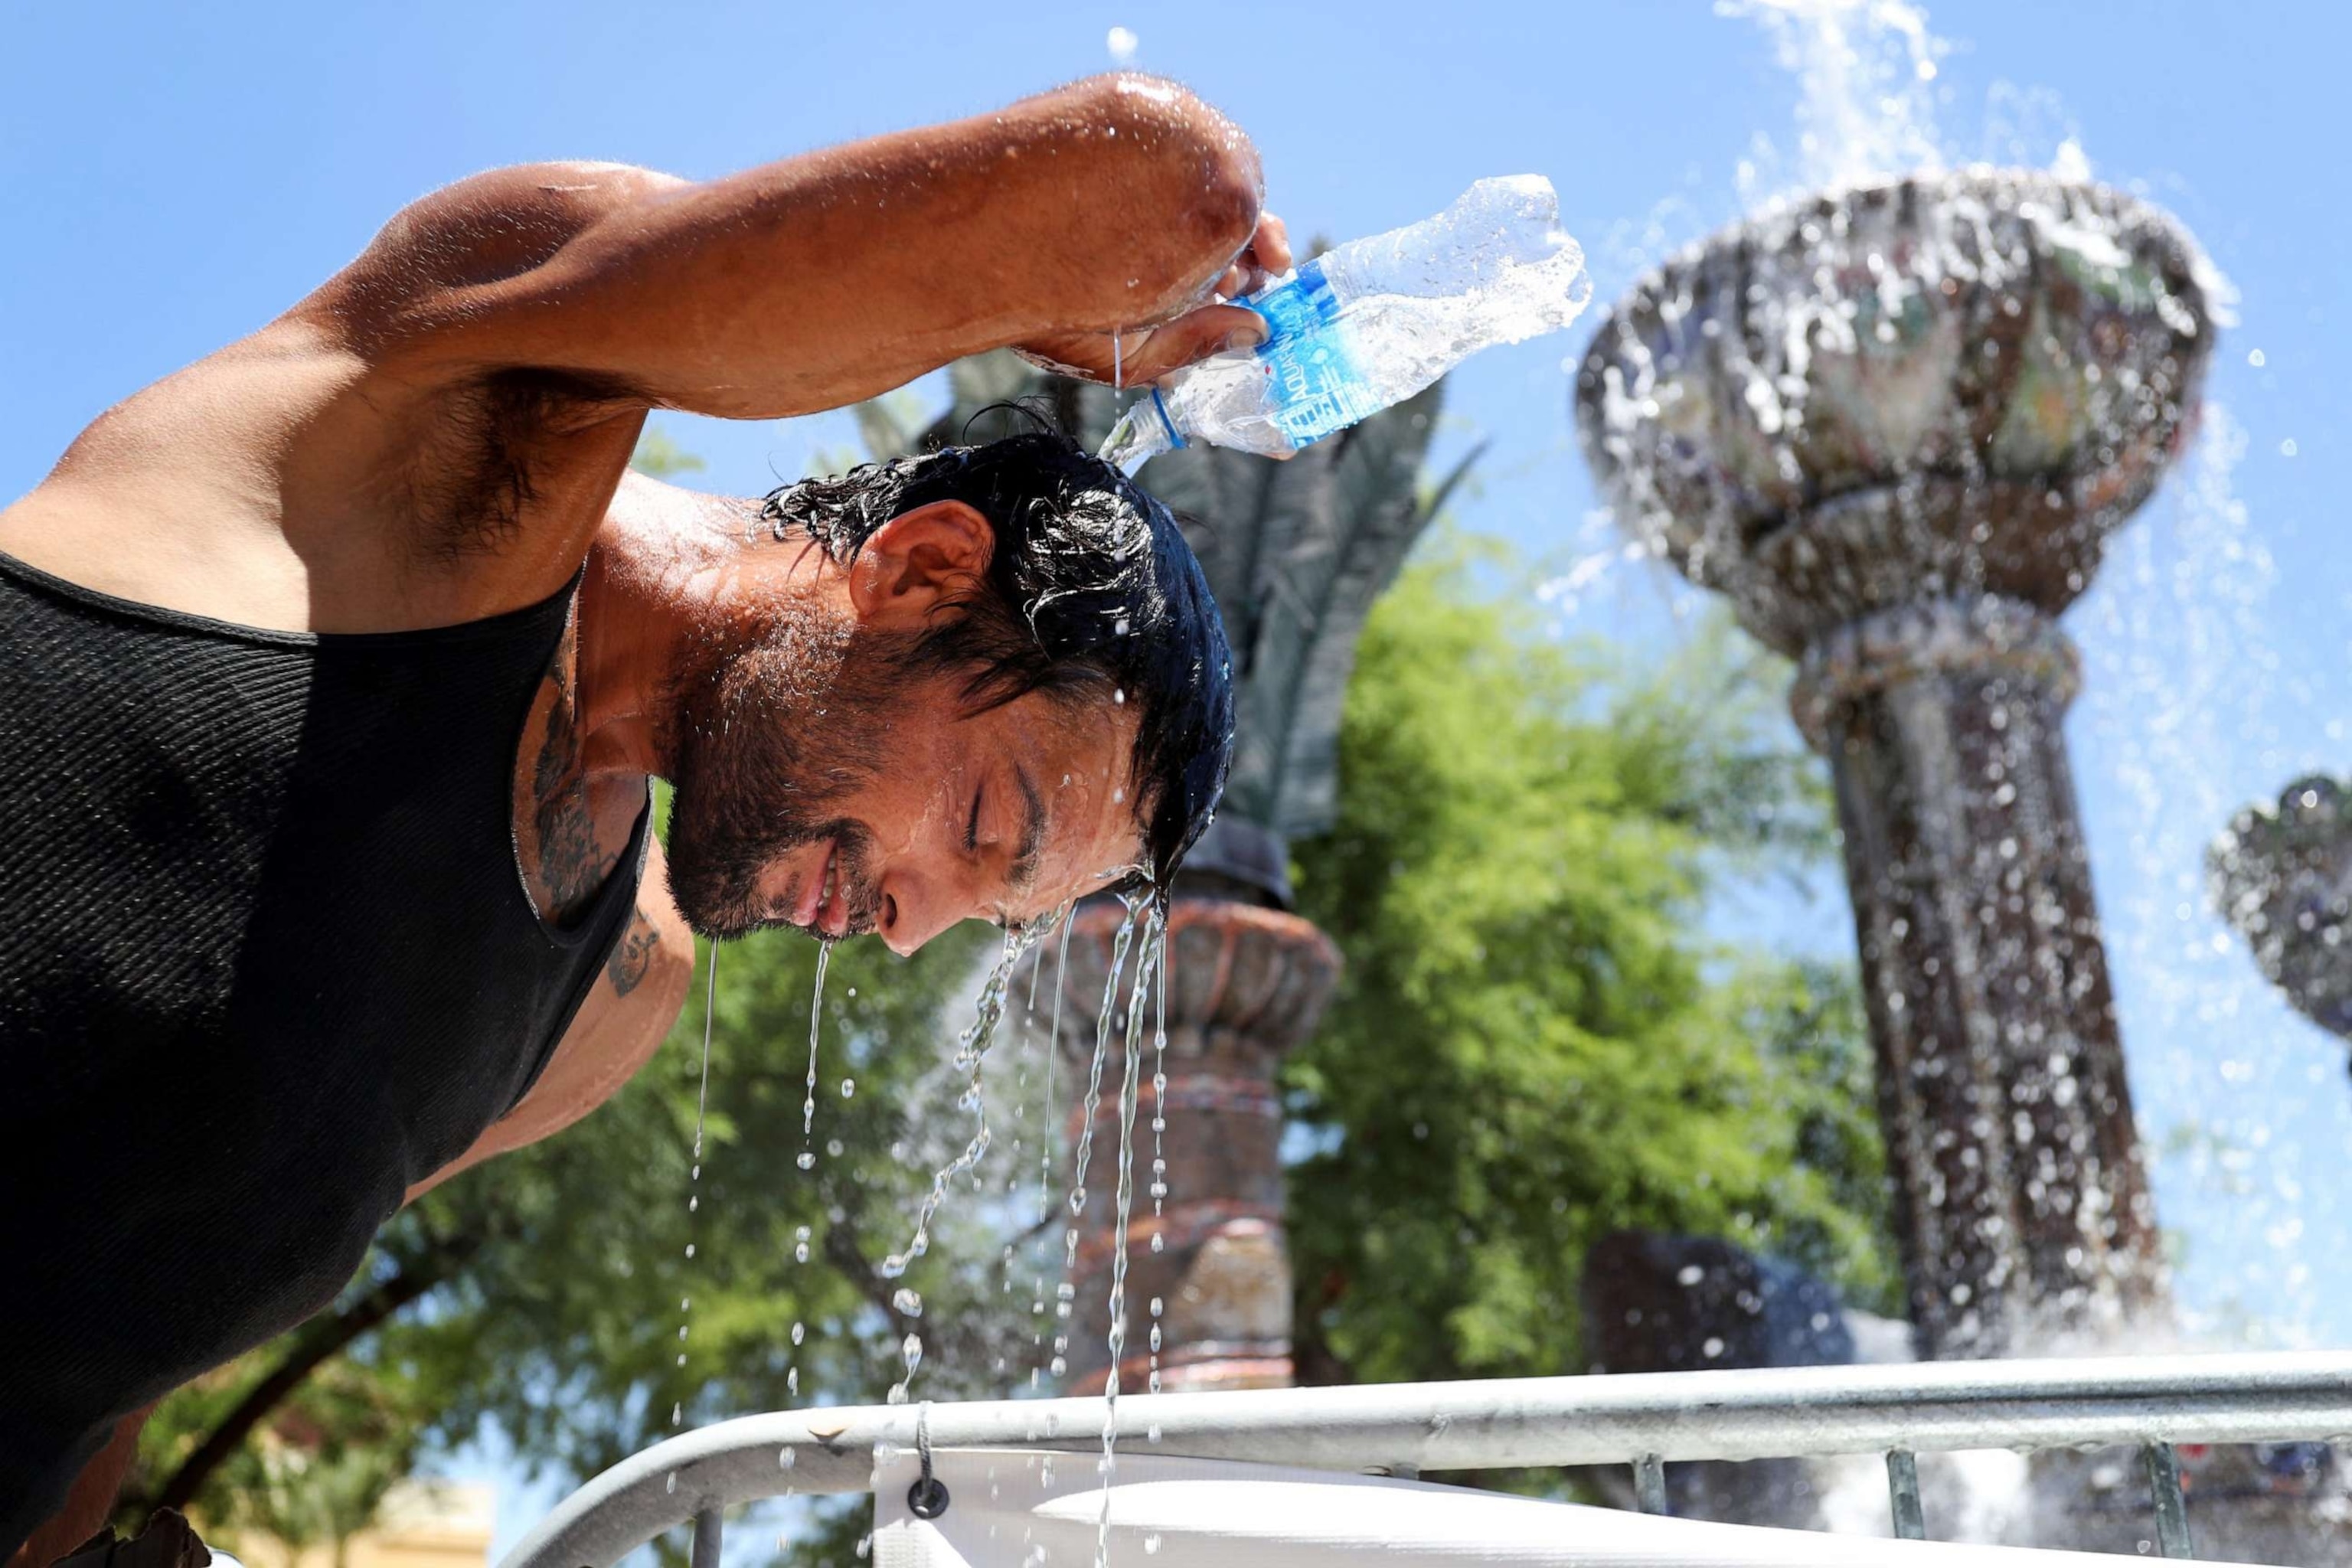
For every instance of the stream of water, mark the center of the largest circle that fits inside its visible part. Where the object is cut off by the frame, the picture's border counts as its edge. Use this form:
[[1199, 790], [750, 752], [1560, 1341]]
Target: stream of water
[[808, 1102], [1153, 953]]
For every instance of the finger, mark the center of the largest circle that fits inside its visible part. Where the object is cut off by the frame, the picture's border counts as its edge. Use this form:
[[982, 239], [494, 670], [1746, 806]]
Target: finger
[[1190, 338], [1234, 282], [1270, 247]]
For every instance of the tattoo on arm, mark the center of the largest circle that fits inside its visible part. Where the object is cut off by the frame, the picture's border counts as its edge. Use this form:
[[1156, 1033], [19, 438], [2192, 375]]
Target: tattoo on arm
[[632, 955]]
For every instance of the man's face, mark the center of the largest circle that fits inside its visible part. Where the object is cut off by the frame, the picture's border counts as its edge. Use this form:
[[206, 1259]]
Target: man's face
[[835, 790]]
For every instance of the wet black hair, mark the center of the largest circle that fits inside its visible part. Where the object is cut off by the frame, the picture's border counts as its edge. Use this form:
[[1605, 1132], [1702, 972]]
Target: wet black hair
[[1091, 591]]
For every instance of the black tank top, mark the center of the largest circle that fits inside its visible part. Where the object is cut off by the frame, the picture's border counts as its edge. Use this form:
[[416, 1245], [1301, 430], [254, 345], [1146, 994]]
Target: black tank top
[[266, 960]]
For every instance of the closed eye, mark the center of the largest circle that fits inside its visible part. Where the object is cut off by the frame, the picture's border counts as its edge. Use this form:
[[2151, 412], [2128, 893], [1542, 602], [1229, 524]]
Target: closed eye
[[971, 829]]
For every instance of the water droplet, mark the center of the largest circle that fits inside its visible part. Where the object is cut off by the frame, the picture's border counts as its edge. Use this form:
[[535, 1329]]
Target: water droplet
[[673, 1481], [848, 1087], [1151, 1545], [786, 1458], [800, 1333], [807, 1160], [2256, 359], [689, 1249], [908, 1302]]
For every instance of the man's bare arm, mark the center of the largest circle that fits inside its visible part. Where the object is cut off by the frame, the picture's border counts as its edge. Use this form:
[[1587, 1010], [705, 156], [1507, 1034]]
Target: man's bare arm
[[1116, 203]]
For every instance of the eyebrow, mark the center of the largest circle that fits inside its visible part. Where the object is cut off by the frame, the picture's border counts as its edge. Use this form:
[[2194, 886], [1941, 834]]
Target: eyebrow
[[1032, 831]]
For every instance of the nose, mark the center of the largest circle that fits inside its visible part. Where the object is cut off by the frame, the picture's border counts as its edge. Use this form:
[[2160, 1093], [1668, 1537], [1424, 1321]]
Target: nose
[[912, 912]]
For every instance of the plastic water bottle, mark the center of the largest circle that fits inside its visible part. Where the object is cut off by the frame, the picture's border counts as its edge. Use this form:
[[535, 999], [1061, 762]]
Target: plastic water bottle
[[1371, 323]]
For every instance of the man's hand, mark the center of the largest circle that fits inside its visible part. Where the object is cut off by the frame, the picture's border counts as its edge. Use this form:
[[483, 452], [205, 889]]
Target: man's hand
[[1137, 356]]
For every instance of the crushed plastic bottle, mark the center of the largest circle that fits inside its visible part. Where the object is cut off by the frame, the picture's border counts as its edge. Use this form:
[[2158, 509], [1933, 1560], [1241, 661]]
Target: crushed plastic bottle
[[1372, 323]]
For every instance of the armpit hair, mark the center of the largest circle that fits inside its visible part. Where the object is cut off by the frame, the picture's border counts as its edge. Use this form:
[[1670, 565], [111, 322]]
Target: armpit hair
[[472, 474]]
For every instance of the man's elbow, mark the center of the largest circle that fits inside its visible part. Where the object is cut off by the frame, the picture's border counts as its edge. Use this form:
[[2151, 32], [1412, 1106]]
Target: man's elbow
[[1203, 171]]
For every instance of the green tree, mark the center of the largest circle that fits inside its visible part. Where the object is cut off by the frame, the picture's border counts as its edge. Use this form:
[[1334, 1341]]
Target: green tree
[[1532, 1045]]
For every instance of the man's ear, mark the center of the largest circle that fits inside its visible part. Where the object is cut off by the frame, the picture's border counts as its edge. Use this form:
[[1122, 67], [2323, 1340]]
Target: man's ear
[[917, 562]]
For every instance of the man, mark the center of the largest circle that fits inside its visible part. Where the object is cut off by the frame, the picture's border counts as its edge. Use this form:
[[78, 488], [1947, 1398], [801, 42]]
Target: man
[[333, 670]]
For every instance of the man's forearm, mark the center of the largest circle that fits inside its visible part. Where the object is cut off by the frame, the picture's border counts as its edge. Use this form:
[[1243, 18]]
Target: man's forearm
[[811, 282]]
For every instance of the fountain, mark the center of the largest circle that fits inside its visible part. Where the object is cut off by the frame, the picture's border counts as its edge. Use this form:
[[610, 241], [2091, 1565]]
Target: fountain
[[2282, 875], [1893, 425]]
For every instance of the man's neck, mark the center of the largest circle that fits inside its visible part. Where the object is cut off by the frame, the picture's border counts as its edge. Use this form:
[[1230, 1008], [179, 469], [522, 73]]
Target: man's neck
[[672, 571]]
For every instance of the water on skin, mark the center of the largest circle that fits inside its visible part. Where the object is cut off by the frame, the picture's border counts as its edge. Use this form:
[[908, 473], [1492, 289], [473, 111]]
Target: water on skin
[[1154, 951]]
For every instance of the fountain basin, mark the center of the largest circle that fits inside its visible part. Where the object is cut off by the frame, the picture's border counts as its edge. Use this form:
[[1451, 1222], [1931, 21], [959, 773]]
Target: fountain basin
[[1950, 383]]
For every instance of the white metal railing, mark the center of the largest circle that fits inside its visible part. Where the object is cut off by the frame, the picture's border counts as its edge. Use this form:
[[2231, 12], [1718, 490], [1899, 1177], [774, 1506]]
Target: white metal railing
[[1640, 1420]]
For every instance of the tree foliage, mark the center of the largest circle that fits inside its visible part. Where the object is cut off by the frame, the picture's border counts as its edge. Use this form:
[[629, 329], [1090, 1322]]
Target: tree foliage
[[1533, 1042]]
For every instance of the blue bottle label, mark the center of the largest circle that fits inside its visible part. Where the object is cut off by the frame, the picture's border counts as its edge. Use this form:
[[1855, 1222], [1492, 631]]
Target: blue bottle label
[[1301, 303], [1314, 387]]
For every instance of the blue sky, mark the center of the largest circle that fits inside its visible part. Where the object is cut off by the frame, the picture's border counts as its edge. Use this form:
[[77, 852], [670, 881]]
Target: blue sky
[[171, 177]]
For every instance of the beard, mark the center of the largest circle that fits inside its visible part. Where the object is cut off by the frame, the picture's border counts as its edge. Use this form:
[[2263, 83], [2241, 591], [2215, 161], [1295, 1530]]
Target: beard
[[769, 741]]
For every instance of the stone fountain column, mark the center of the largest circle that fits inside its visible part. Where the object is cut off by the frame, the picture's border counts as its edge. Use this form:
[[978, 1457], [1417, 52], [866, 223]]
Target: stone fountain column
[[1245, 982], [1895, 426]]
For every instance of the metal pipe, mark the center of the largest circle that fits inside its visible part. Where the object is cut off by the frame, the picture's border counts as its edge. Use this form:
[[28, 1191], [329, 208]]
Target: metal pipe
[[1903, 1493], [709, 1531], [1650, 1484], [2172, 1509], [1552, 1421]]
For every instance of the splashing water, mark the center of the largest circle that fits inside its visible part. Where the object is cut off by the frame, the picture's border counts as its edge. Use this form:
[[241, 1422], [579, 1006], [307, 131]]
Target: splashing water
[[808, 1103], [1153, 952], [971, 1058], [1120, 942], [694, 1177], [1158, 1138], [1866, 70], [1052, 1054]]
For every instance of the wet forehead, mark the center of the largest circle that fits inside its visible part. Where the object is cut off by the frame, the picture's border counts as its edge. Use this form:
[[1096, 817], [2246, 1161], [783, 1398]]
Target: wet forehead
[[1078, 758]]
